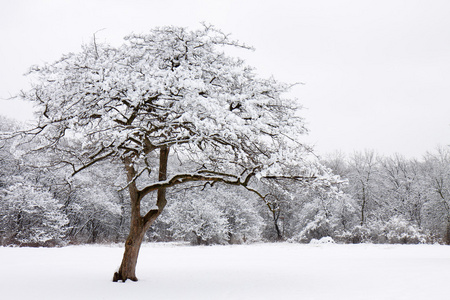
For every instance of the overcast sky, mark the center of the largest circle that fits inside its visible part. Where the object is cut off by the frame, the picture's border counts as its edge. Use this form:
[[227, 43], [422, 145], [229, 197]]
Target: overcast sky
[[376, 74]]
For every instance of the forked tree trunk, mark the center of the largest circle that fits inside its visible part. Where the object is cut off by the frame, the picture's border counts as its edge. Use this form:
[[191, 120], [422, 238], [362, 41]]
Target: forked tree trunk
[[139, 225]]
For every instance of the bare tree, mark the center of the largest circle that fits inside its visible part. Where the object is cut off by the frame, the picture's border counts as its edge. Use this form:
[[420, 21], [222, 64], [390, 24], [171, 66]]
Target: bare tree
[[403, 187], [437, 166], [364, 171]]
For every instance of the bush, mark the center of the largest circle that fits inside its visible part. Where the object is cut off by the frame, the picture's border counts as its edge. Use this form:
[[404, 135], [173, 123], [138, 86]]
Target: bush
[[324, 240], [316, 229], [396, 231], [400, 231]]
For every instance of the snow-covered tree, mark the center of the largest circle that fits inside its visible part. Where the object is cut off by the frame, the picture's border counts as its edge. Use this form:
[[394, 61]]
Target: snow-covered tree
[[404, 188], [30, 215], [199, 220], [214, 215], [170, 91], [29, 212], [9, 164], [321, 208], [364, 175], [437, 168], [94, 206]]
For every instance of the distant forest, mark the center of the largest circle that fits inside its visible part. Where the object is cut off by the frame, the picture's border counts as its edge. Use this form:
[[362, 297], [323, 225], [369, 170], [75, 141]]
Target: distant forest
[[359, 198]]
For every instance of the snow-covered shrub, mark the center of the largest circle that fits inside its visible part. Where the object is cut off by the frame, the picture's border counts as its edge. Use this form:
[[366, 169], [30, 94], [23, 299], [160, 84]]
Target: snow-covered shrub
[[324, 240], [400, 231], [396, 231], [30, 216], [358, 234], [318, 228]]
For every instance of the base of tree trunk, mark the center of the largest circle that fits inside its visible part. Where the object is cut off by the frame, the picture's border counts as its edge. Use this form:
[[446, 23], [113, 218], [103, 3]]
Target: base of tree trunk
[[133, 243], [118, 277]]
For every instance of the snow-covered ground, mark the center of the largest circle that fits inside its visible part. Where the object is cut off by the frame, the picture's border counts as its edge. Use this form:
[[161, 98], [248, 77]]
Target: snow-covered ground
[[261, 271]]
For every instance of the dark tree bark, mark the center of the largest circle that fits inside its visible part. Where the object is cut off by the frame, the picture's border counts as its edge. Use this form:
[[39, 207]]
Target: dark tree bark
[[276, 216], [447, 232], [275, 209], [140, 224], [363, 207]]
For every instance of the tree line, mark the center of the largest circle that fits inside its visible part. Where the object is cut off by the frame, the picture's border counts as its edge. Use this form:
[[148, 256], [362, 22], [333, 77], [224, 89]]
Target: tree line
[[389, 193], [376, 199]]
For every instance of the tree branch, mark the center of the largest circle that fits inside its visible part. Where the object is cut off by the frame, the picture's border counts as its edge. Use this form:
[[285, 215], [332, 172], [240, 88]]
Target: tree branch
[[202, 175], [297, 178], [93, 162]]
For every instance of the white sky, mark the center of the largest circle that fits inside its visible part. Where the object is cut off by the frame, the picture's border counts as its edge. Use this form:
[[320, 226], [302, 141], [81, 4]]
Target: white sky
[[376, 73]]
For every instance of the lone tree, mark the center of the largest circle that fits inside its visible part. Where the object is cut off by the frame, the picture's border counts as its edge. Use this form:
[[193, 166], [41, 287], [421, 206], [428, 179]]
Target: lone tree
[[171, 92]]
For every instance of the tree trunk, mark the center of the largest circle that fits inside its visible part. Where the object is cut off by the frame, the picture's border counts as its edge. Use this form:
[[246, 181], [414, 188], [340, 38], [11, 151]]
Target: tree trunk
[[127, 269], [363, 207], [139, 225], [277, 227], [447, 232]]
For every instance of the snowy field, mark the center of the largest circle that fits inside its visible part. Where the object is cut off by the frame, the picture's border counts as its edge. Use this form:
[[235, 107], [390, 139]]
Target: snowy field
[[261, 271]]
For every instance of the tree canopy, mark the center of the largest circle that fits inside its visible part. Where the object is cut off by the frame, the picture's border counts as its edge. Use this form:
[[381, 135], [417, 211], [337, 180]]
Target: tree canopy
[[169, 88]]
